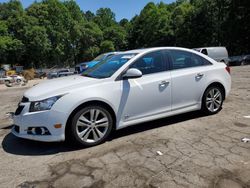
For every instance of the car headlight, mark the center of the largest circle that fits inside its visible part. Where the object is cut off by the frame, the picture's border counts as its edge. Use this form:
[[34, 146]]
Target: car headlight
[[43, 105]]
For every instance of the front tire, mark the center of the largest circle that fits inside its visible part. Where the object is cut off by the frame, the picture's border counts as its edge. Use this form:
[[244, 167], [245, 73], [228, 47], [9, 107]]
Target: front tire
[[91, 126], [212, 100]]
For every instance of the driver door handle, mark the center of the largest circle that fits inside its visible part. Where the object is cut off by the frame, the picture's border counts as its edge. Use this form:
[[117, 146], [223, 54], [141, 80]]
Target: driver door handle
[[164, 83]]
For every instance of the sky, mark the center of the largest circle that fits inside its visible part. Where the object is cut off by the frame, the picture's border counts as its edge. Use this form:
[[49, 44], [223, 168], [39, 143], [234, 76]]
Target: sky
[[122, 8]]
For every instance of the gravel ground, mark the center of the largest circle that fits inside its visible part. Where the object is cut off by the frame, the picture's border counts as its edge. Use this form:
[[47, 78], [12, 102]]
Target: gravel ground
[[197, 151]]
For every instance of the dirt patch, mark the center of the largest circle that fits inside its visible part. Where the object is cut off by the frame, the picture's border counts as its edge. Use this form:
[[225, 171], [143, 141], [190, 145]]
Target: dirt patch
[[238, 124], [228, 179]]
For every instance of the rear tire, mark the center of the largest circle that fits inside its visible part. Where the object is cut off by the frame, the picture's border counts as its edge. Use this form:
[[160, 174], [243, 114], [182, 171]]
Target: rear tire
[[212, 100], [91, 126]]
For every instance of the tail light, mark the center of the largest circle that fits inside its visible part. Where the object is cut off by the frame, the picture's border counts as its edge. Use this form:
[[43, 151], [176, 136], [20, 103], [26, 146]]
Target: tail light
[[228, 69]]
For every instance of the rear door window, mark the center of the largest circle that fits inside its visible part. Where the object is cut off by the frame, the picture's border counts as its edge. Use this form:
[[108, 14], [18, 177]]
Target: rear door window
[[182, 59]]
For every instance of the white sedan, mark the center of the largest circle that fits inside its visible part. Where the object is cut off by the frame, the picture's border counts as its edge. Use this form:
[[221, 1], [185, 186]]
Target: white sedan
[[17, 78], [5, 79], [130, 88]]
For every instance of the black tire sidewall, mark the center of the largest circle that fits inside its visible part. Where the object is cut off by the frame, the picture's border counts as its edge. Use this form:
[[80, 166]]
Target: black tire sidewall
[[74, 135], [204, 106]]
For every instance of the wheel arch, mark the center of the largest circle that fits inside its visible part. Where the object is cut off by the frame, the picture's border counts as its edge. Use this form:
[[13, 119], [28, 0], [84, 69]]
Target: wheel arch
[[218, 84], [87, 103]]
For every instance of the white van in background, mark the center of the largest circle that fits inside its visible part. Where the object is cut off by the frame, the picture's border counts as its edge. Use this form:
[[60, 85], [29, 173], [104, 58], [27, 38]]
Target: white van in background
[[219, 54]]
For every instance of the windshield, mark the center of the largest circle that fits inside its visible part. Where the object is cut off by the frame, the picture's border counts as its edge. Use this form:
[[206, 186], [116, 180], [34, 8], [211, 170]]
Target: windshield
[[99, 57], [109, 66]]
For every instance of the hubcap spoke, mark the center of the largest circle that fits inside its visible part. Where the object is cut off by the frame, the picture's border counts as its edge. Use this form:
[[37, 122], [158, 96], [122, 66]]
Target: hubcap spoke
[[81, 134], [103, 125], [97, 112], [217, 95], [103, 120], [100, 134], [95, 135], [83, 119], [85, 138], [212, 107], [211, 93], [217, 105], [92, 114], [82, 124]]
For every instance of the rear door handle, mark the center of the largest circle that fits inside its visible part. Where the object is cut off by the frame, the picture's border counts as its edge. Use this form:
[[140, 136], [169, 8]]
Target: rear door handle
[[163, 83], [199, 75]]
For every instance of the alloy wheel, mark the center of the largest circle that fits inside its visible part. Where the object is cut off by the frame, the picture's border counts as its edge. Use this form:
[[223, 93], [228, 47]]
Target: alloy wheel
[[214, 100], [92, 125]]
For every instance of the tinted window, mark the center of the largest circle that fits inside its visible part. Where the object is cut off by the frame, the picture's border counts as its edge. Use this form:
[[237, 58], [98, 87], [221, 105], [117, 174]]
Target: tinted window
[[150, 63], [183, 59], [99, 58], [108, 67]]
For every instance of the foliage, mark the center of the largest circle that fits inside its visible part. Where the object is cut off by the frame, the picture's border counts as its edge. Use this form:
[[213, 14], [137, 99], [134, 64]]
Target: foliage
[[53, 32], [107, 46]]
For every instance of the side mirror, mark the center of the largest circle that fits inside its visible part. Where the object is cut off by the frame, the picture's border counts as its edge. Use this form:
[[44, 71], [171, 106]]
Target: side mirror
[[132, 73]]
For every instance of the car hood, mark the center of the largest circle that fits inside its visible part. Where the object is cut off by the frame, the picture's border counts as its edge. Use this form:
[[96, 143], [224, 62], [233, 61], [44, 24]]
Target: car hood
[[58, 86]]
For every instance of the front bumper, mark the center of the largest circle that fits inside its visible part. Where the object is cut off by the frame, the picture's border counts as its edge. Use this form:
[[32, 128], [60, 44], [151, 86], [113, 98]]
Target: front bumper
[[42, 138], [26, 120]]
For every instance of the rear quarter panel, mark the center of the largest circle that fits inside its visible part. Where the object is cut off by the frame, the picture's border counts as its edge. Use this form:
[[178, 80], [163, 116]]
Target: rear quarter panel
[[218, 73]]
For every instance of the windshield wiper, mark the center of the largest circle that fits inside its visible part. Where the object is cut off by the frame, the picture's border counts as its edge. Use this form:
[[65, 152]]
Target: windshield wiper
[[87, 75], [90, 76]]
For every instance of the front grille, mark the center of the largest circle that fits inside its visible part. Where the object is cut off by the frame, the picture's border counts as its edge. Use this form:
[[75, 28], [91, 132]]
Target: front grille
[[16, 128], [19, 110], [24, 99]]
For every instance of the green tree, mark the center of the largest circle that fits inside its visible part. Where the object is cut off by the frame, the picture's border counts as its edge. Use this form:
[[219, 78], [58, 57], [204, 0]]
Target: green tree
[[107, 46], [151, 27], [90, 40], [37, 46], [104, 17], [117, 35], [89, 15]]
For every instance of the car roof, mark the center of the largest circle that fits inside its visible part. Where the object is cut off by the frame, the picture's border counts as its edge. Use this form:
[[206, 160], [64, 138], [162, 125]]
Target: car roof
[[111, 53], [157, 48]]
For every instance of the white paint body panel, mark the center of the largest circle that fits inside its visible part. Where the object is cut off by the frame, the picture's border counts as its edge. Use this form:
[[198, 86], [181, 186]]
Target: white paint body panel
[[133, 101]]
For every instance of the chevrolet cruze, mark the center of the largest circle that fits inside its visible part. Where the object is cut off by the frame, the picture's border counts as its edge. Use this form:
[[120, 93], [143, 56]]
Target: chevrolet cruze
[[130, 88]]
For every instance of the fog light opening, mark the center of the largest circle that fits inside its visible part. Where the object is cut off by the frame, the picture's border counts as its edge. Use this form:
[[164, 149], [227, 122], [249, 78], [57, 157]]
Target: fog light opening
[[38, 131]]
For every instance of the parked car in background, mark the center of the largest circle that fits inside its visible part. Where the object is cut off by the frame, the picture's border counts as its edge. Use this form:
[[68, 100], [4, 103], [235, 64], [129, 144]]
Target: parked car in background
[[60, 73], [239, 60], [17, 78], [5, 79], [127, 89], [40, 74], [235, 60], [245, 60], [219, 54], [80, 68]]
